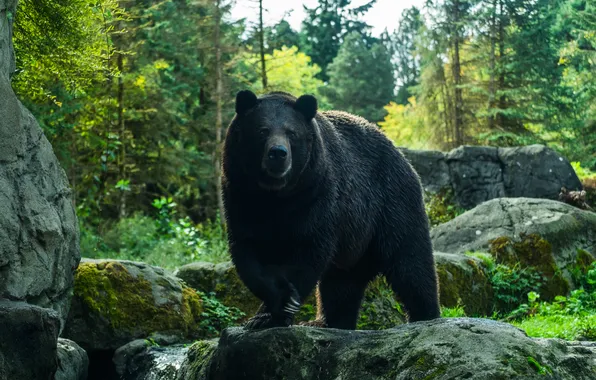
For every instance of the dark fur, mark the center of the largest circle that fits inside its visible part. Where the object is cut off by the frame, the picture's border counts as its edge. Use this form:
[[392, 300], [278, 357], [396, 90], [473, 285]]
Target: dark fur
[[350, 208]]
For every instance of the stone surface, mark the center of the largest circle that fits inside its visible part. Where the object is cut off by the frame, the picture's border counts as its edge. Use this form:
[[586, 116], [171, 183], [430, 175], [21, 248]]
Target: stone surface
[[73, 362], [477, 174], [28, 335], [463, 282], [566, 228], [39, 240], [454, 348], [7, 63], [116, 302], [139, 360]]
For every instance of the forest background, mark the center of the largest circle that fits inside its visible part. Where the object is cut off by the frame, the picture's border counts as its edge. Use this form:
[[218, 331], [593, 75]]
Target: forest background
[[135, 96]]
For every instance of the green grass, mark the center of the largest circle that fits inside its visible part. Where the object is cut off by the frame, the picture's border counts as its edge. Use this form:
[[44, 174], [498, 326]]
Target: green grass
[[569, 327]]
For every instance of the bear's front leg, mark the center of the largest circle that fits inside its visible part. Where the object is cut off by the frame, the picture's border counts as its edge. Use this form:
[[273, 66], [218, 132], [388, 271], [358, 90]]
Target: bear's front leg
[[268, 283]]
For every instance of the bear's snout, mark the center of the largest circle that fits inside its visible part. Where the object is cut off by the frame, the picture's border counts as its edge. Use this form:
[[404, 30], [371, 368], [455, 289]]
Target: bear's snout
[[277, 157], [278, 153]]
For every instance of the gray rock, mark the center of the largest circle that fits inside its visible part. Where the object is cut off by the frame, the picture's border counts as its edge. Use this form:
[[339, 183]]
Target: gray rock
[[73, 362], [431, 166], [118, 301], [39, 238], [139, 360], [28, 335], [7, 63], [566, 228], [454, 348], [477, 174]]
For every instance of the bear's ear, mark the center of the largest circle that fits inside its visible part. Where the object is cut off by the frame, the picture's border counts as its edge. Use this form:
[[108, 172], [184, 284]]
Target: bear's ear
[[245, 100], [307, 106]]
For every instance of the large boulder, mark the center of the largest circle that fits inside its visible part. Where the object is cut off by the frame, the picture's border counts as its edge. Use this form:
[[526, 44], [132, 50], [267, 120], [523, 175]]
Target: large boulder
[[39, 239], [28, 336], [454, 348], [566, 228], [140, 360], [549, 236], [116, 302], [477, 174]]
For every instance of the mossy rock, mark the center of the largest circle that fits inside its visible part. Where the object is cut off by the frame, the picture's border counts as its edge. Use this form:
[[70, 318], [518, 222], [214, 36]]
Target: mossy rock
[[566, 228], [463, 282], [223, 280], [532, 251], [198, 360], [116, 302]]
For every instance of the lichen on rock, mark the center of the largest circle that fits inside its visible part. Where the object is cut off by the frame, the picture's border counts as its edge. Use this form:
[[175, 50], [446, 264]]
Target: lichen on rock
[[116, 302]]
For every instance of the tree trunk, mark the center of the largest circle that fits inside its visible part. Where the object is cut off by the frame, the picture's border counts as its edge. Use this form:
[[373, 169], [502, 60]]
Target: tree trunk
[[492, 63], [122, 130], [458, 111], [502, 100], [218, 106], [262, 46]]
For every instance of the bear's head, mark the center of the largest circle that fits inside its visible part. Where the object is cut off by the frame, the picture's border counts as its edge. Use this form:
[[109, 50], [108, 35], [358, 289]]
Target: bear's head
[[276, 133]]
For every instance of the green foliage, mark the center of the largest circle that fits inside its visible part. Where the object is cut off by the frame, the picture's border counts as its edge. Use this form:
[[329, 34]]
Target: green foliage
[[60, 41], [216, 316], [404, 51], [568, 317], [275, 37], [405, 125], [510, 284], [360, 78], [441, 207], [582, 172], [166, 241], [288, 70], [327, 25], [453, 312]]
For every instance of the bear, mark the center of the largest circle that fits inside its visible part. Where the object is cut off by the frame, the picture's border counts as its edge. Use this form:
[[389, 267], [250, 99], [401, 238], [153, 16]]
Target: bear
[[322, 199]]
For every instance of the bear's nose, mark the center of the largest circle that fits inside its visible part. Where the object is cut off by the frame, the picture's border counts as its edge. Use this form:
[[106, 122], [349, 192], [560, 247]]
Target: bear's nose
[[278, 152]]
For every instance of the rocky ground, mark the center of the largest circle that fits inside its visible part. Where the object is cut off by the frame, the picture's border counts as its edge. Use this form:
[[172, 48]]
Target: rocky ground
[[454, 348]]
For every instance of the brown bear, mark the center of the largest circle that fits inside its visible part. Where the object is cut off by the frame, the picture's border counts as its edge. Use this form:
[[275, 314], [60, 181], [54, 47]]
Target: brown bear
[[322, 198]]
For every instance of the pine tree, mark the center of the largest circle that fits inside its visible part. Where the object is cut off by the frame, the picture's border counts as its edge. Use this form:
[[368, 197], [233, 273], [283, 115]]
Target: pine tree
[[361, 78], [326, 26], [404, 50]]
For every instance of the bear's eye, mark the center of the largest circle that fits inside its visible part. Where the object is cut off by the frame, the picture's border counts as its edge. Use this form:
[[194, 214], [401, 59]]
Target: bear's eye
[[264, 132], [291, 134]]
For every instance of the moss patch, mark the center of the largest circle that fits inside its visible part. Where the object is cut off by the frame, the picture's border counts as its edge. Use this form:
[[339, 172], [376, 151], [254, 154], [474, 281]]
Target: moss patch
[[380, 310], [441, 207], [424, 367], [468, 287], [199, 358], [532, 252], [126, 302]]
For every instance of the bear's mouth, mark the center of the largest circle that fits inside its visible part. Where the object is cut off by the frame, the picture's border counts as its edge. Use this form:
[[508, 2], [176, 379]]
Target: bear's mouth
[[273, 181]]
